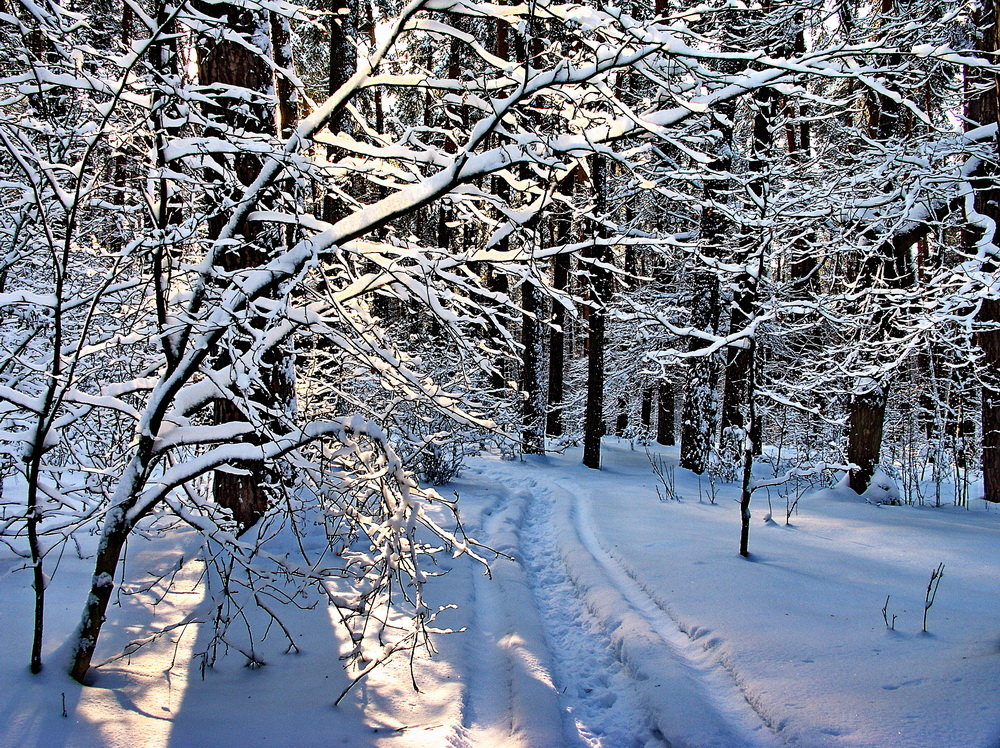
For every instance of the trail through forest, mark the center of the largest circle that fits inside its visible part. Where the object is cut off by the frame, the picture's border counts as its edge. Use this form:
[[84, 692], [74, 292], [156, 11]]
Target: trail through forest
[[625, 674]]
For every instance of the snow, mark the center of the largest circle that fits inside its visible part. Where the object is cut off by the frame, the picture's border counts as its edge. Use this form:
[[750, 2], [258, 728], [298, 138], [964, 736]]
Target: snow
[[619, 620]]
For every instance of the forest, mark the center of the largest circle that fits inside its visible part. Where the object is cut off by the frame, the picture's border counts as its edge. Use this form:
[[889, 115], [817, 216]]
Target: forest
[[277, 278]]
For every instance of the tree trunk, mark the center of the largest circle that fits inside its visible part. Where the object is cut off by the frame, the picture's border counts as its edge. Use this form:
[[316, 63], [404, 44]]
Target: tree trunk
[[593, 427], [621, 420], [117, 526], [342, 65], [284, 89], [557, 341], [698, 417], [116, 531], [751, 447], [864, 438], [740, 360], [984, 108], [989, 342], [562, 227], [665, 415], [532, 403], [646, 408], [33, 520], [242, 490], [600, 284]]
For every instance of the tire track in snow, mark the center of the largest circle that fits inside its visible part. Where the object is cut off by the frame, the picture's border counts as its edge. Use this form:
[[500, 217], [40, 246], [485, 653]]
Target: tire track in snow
[[601, 705], [510, 699], [696, 700], [486, 708], [626, 674]]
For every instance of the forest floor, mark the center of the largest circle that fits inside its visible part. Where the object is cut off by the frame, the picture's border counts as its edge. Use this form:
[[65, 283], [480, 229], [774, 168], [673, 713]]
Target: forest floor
[[621, 620]]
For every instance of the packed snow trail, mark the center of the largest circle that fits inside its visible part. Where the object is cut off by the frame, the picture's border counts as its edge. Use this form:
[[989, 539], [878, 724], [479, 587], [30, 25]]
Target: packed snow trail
[[699, 692], [509, 695], [601, 705], [540, 670], [626, 675]]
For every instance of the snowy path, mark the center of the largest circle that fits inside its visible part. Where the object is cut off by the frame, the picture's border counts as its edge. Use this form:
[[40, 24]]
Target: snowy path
[[509, 695], [698, 701], [601, 703], [623, 672]]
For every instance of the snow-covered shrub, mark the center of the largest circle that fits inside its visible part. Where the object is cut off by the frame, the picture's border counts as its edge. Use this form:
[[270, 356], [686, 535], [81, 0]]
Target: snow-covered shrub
[[726, 460], [883, 489], [433, 446]]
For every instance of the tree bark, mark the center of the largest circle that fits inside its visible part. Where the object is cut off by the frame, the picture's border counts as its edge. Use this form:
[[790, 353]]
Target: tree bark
[[557, 341], [751, 447], [116, 531], [284, 88], [989, 343], [243, 489], [864, 438], [342, 65], [532, 403], [600, 284], [665, 415], [646, 408], [984, 108], [621, 420], [562, 227]]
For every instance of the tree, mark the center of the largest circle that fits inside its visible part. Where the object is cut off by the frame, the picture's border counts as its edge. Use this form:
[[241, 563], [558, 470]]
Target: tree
[[982, 108], [599, 291], [224, 340]]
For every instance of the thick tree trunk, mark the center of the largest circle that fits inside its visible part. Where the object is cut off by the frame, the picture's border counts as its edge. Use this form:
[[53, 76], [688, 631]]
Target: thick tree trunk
[[284, 88], [646, 408], [984, 108], [699, 408], [244, 490], [343, 20], [621, 420], [864, 436], [698, 416]]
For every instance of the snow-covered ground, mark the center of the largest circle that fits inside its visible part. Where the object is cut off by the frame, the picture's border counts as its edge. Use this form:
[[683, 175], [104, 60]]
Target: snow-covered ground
[[622, 620]]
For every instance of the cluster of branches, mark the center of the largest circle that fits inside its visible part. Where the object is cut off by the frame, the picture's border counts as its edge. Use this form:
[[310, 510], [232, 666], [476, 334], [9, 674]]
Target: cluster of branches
[[251, 245]]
